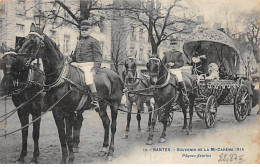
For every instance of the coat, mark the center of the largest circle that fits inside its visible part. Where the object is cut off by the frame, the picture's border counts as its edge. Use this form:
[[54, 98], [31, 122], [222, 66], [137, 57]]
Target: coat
[[88, 50], [174, 57]]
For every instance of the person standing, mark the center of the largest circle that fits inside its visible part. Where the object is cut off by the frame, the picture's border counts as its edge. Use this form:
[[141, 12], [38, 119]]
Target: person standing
[[88, 58]]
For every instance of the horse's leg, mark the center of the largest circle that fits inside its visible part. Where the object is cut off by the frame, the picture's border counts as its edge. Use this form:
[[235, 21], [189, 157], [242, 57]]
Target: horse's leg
[[106, 123], [36, 135], [164, 122], [24, 119], [76, 131], [138, 116], [59, 120], [129, 109], [150, 137], [191, 114], [150, 108], [114, 112], [69, 140], [183, 107]]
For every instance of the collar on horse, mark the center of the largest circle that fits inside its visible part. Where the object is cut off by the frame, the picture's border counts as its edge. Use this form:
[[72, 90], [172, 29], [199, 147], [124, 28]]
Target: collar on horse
[[7, 53]]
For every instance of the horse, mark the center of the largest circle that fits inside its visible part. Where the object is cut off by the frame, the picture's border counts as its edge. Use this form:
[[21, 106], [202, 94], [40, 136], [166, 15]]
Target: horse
[[132, 83], [166, 93], [24, 89], [63, 83]]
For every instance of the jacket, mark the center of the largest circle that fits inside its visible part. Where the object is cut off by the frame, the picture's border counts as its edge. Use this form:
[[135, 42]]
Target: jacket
[[88, 50], [174, 57]]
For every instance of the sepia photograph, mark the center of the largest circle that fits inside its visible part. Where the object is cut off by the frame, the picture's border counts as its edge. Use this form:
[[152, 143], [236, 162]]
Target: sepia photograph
[[129, 82]]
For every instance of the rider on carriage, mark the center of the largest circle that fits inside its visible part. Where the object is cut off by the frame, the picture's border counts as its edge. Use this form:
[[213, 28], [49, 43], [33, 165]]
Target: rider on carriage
[[88, 58], [173, 60]]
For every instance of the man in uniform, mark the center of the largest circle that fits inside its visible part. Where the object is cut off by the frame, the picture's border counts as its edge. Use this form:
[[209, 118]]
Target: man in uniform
[[88, 58], [173, 60]]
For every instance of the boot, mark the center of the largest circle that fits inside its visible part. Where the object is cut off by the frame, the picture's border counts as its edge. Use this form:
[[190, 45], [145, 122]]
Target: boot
[[94, 97], [184, 92]]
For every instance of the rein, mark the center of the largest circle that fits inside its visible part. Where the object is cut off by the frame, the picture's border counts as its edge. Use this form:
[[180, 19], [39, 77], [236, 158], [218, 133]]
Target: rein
[[45, 112], [10, 113], [140, 113]]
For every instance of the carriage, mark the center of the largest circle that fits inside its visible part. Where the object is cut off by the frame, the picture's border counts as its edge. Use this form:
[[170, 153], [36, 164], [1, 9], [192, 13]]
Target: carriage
[[230, 88]]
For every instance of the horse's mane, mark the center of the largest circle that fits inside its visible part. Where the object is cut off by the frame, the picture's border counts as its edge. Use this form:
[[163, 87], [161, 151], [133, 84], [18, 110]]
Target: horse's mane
[[52, 45]]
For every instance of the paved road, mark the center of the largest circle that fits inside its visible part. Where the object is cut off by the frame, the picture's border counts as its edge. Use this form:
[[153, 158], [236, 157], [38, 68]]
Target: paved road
[[178, 148]]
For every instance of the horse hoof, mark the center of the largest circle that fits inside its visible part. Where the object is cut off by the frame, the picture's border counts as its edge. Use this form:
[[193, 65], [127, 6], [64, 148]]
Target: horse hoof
[[102, 153], [189, 132], [138, 136], [75, 149], [125, 136], [162, 140], [19, 161], [109, 158], [33, 161], [149, 142], [184, 130], [148, 129], [63, 161], [71, 161]]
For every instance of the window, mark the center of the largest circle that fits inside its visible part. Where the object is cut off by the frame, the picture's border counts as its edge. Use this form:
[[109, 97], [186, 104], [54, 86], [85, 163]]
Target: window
[[133, 36], [141, 53], [2, 7], [20, 27], [20, 8], [132, 50], [141, 31], [66, 44], [102, 24]]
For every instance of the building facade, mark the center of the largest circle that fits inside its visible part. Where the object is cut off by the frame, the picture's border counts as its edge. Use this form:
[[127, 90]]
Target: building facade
[[16, 17]]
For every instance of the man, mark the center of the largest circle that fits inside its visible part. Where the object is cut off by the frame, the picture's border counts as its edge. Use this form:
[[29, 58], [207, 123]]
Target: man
[[88, 58], [173, 60]]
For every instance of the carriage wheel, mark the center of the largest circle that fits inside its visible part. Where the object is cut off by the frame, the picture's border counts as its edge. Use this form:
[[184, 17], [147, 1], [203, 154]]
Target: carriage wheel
[[169, 122], [211, 111], [242, 103]]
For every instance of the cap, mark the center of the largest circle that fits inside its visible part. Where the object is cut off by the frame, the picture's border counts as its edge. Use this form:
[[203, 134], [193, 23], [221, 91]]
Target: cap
[[86, 23]]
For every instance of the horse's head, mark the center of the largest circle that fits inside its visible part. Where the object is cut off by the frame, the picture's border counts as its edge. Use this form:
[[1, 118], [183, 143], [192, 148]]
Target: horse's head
[[14, 70], [130, 70], [32, 44], [11, 70], [153, 67]]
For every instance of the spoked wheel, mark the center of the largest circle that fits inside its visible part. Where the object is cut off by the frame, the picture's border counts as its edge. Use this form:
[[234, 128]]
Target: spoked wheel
[[211, 111], [170, 119], [242, 103]]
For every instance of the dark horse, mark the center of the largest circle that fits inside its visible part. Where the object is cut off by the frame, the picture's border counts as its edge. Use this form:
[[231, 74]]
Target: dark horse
[[62, 78], [167, 92], [23, 87], [132, 83]]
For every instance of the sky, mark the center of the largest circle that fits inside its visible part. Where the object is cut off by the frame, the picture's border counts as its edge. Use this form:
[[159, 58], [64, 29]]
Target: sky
[[214, 10]]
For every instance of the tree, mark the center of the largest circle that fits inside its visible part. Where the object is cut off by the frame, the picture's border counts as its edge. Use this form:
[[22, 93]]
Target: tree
[[159, 20], [74, 12], [118, 50], [251, 30]]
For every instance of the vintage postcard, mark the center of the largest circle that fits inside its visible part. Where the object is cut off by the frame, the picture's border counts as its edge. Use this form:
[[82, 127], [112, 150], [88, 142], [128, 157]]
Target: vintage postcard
[[129, 81]]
